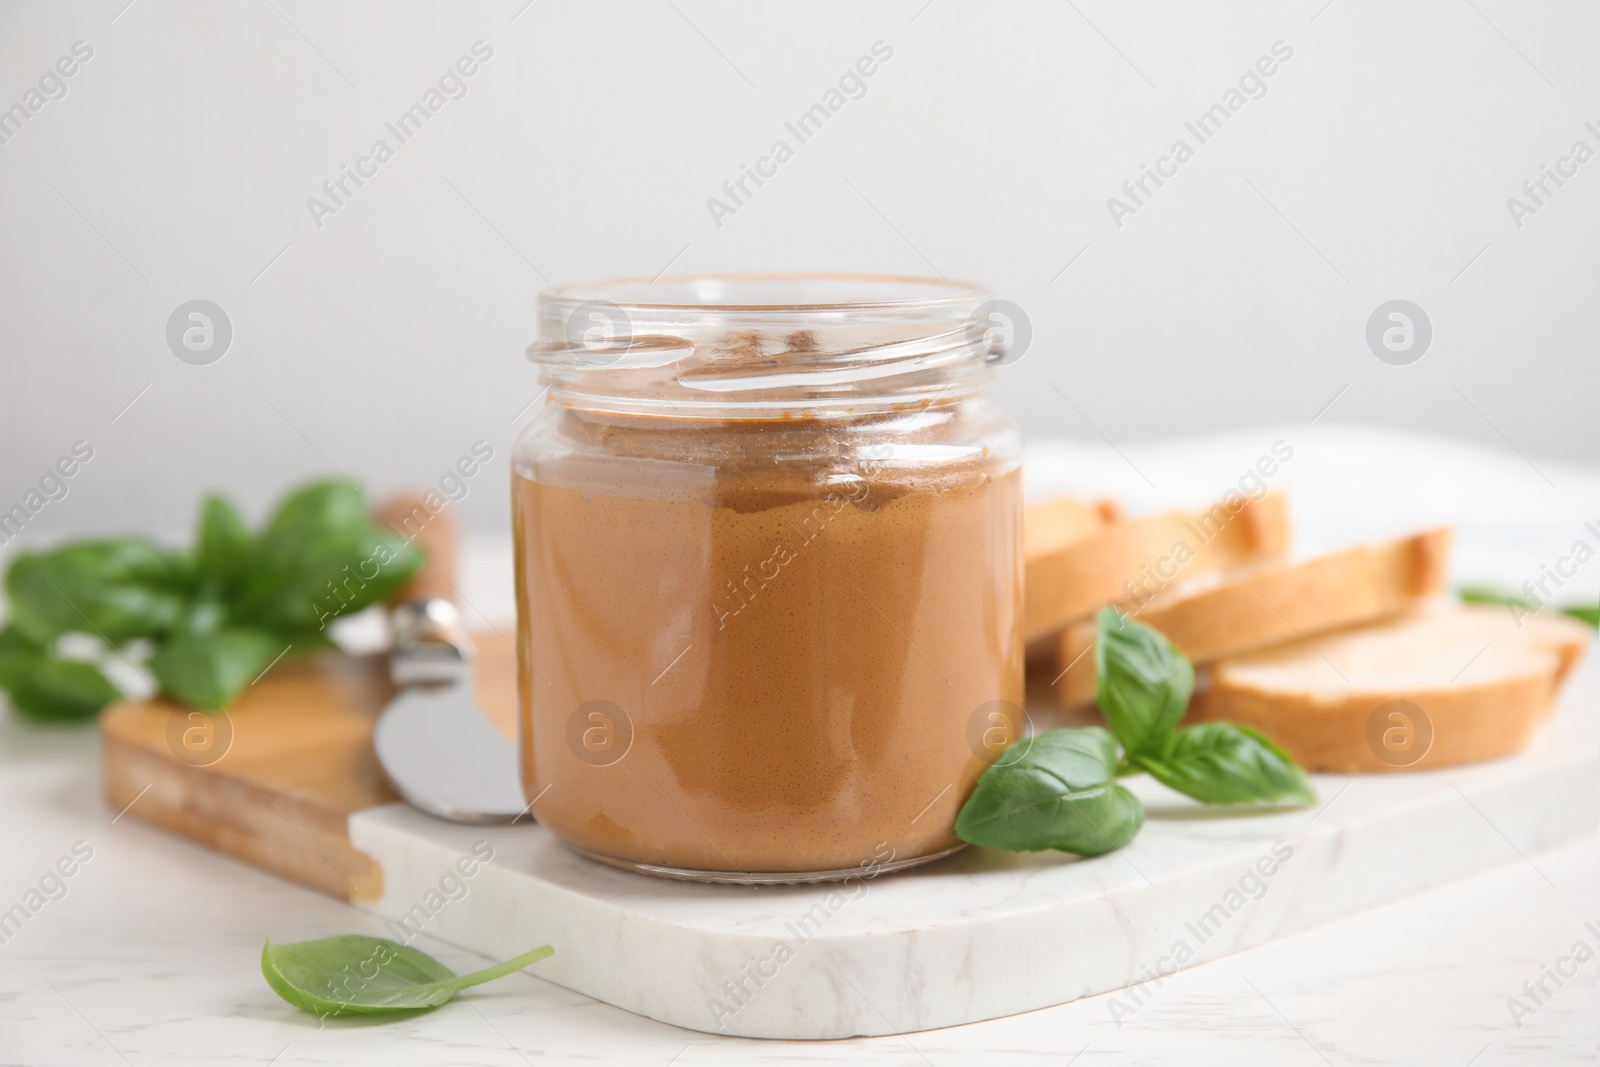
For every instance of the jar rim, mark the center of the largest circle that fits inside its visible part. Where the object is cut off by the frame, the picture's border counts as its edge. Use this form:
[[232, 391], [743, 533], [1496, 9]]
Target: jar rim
[[763, 344], [712, 292]]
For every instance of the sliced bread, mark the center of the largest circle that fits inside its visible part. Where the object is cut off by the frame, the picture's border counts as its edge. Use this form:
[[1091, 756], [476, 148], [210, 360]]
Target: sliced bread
[[1267, 604], [1432, 689], [1139, 556], [1051, 524]]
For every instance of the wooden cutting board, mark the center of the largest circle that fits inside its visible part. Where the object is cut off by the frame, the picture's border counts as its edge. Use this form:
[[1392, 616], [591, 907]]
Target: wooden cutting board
[[274, 780]]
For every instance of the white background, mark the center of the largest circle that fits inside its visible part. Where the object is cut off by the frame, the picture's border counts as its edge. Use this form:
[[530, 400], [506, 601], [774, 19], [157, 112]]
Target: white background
[[387, 341]]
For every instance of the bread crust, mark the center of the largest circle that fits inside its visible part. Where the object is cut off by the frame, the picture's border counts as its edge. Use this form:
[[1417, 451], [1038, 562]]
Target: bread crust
[[1330, 727], [1149, 552], [1269, 604], [1486, 722], [1051, 524]]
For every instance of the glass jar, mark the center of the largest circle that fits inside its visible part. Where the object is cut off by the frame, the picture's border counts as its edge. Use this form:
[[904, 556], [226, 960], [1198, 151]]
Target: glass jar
[[769, 572]]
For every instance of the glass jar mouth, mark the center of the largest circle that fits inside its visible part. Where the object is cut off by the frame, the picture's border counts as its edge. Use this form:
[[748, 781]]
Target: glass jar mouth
[[812, 293], [763, 345]]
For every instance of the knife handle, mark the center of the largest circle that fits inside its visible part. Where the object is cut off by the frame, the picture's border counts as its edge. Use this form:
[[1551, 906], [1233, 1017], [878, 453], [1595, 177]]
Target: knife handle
[[409, 515], [428, 644]]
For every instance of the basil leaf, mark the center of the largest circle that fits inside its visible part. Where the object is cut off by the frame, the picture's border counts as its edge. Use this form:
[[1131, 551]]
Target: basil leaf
[[46, 687], [1061, 793], [209, 670], [301, 642], [18, 654], [1483, 594], [121, 589], [354, 974], [62, 690], [316, 506], [1225, 763], [221, 546], [1588, 615], [1144, 683], [320, 557], [1480, 594]]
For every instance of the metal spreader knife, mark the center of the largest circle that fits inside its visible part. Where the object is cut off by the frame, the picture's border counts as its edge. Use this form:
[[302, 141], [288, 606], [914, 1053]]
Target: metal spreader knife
[[433, 740]]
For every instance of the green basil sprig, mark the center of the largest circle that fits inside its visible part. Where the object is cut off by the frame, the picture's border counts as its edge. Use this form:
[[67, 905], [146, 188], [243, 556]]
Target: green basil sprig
[[1058, 790], [214, 617], [1480, 594], [1144, 682], [358, 975], [1061, 793], [45, 685], [1225, 763]]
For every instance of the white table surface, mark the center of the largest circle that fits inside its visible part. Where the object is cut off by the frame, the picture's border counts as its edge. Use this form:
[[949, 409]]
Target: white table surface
[[152, 954]]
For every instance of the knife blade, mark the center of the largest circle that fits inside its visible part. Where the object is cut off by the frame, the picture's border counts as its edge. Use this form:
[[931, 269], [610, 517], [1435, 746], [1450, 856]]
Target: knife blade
[[433, 740]]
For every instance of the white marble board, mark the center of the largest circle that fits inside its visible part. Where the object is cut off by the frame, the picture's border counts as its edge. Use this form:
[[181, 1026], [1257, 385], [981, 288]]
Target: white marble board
[[985, 934]]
